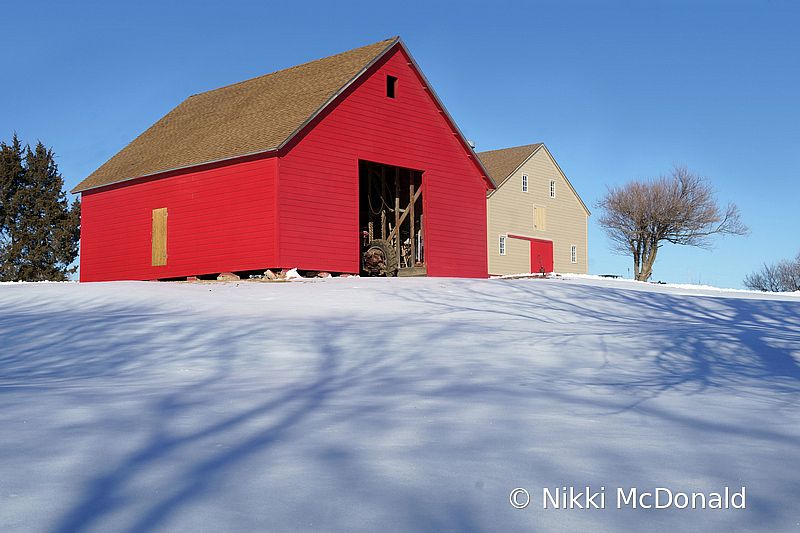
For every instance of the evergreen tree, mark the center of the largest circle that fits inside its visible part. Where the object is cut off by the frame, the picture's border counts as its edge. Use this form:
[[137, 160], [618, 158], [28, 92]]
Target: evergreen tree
[[40, 231], [11, 175]]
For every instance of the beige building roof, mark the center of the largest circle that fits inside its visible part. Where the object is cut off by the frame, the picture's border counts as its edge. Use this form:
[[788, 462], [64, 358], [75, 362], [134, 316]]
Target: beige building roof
[[501, 164], [253, 116]]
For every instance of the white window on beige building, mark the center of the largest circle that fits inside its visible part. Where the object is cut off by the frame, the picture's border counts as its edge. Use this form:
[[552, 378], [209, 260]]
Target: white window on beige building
[[524, 183], [574, 254], [552, 189], [539, 218], [502, 245]]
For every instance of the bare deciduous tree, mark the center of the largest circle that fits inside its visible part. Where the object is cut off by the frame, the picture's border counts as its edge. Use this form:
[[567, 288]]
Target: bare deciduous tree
[[640, 216], [783, 276]]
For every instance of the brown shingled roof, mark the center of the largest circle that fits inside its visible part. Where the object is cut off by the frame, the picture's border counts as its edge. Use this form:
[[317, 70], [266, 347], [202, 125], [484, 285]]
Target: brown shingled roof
[[252, 116], [502, 163]]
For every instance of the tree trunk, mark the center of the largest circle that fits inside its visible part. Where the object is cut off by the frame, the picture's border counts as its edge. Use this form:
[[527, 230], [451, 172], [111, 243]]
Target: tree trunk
[[648, 259]]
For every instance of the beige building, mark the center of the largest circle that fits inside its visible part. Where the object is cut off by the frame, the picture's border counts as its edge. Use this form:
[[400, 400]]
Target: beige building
[[536, 220]]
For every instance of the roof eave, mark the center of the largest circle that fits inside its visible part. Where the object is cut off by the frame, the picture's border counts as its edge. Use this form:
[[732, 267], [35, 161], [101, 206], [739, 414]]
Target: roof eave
[[538, 147], [338, 93], [204, 163], [277, 148], [578, 196], [447, 115], [397, 40]]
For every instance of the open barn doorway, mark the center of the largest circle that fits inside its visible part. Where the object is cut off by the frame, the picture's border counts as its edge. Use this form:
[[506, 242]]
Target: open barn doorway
[[391, 220]]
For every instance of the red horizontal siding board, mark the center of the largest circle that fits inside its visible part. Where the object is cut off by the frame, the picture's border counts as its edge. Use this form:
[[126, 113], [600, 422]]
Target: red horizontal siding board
[[210, 228]]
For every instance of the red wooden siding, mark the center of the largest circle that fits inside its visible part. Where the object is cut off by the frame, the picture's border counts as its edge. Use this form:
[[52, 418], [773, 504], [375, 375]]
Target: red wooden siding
[[318, 219], [219, 219]]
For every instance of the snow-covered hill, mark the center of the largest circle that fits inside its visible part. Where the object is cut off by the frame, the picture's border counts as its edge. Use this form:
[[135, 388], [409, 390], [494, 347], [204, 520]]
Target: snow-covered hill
[[365, 405]]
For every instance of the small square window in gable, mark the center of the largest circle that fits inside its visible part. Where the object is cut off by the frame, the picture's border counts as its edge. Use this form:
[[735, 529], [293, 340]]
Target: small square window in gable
[[391, 86]]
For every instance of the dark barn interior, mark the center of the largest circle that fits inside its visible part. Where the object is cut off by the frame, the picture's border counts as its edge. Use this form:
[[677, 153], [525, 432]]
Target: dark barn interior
[[391, 220]]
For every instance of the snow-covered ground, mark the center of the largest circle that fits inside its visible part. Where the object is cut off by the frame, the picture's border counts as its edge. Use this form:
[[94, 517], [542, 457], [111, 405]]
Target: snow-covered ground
[[366, 405]]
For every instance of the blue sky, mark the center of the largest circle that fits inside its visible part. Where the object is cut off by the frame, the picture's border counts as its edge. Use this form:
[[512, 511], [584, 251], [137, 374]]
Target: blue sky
[[616, 90]]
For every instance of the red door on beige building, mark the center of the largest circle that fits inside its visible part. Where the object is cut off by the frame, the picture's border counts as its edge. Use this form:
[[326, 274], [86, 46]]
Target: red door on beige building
[[541, 256]]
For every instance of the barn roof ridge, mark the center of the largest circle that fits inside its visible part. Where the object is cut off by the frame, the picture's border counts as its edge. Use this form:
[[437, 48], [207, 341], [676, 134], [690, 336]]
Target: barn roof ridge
[[252, 116]]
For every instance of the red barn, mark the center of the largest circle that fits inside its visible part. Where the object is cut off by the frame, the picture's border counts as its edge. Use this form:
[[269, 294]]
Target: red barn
[[345, 164]]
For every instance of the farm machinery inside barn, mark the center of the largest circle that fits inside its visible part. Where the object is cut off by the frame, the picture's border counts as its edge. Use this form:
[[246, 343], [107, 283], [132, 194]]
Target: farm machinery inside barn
[[391, 220]]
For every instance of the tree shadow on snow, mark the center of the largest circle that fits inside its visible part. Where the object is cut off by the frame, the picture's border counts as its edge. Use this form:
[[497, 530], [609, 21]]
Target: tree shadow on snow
[[690, 340], [305, 440], [195, 435]]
